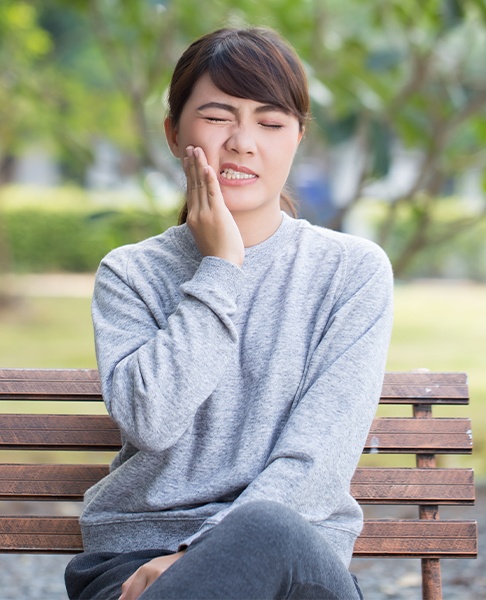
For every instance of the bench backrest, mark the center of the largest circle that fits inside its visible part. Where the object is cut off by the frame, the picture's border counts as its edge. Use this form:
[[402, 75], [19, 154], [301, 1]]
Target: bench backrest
[[92, 436]]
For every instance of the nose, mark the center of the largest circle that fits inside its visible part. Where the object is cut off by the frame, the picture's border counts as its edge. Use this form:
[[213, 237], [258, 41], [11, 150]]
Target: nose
[[241, 140]]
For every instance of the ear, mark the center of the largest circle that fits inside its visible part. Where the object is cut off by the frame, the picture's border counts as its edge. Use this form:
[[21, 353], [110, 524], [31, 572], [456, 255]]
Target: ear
[[171, 133]]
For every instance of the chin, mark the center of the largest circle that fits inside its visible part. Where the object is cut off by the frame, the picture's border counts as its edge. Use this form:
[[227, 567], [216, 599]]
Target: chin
[[241, 204], [246, 201], [239, 201]]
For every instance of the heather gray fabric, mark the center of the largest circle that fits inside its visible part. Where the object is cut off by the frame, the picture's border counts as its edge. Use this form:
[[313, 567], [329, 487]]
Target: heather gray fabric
[[235, 385]]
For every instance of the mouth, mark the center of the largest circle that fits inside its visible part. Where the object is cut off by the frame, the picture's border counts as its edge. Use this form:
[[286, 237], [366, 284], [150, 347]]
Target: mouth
[[234, 172]]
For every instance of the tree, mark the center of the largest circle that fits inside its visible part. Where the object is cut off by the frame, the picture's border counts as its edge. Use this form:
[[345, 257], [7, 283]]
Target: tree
[[384, 74], [24, 43], [400, 74], [395, 73]]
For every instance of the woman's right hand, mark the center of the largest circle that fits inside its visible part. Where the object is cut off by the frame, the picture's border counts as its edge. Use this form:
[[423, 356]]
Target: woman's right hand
[[211, 223]]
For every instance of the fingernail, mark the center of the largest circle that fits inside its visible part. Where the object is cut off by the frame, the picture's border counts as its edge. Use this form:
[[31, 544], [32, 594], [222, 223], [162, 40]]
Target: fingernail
[[189, 150], [196, 152]]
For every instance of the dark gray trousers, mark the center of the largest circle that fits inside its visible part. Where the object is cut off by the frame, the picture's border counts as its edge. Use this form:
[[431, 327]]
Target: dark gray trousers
[[260, 551]]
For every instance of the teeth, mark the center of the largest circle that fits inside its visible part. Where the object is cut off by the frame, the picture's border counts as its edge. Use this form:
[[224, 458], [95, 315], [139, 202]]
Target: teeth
[[232, 174]]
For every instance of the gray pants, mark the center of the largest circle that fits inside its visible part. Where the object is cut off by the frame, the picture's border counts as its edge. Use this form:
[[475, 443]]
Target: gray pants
[[261, 550]]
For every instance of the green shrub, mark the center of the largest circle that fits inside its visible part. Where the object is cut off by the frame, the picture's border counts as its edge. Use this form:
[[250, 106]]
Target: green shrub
[[63, 236]]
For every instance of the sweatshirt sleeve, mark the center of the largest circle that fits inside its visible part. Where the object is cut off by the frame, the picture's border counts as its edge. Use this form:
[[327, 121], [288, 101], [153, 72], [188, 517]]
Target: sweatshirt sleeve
[[312, 463], [154, 374]]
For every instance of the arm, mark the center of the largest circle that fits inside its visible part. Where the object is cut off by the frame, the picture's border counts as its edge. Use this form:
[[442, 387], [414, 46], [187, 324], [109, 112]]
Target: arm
[[156, 375]]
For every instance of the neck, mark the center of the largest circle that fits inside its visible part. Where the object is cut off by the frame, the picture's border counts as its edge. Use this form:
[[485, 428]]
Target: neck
[[256, 227]]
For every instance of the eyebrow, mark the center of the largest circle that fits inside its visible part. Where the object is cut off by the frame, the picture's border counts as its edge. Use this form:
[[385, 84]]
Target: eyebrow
[[232, 109]]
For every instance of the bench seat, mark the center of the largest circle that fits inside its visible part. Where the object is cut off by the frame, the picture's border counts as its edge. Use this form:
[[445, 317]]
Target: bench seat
[[422, 435]]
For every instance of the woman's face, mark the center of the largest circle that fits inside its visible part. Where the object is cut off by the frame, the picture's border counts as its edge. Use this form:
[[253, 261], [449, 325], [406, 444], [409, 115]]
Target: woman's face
[[250, 145]]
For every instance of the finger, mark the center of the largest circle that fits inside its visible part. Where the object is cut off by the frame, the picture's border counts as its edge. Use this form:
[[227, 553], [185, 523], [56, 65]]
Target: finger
[[134, 586], [201, 160], [192, 178], [215, 197], [185, 167], [126, 586], [194, 182], [189, 170], [201, 183]]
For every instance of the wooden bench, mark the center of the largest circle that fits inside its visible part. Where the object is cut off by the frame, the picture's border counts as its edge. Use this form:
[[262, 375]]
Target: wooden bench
[[425, 485]]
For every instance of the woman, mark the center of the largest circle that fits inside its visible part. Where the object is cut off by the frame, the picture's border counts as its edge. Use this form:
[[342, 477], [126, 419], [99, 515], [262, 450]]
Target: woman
[[242, 356]]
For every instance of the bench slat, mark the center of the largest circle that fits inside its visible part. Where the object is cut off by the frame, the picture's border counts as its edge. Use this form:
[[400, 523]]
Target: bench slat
[[56, 390], [83, 384], [58, 432], [57, 384], [375, 485], [424, 388], [419, 436], [46, 482], [370, 485], [99, 432], [48, 375], [414, 539]]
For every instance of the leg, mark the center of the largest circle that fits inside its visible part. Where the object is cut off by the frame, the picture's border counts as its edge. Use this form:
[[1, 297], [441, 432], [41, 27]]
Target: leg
[[262, 550]]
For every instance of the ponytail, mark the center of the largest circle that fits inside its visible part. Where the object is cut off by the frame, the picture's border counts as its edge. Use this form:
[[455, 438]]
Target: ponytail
[[288, 204]]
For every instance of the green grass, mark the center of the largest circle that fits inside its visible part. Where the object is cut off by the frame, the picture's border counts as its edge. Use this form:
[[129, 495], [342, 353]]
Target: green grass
[[438, 325], [441, 326], [47, 333]]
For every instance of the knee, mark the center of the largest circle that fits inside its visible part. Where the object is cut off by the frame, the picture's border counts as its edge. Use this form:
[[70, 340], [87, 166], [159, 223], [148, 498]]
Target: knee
[[270, 524], [264, 512]]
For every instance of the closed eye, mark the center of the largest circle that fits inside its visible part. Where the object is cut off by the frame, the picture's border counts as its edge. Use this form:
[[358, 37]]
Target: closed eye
[[223, 120], [216, 119]]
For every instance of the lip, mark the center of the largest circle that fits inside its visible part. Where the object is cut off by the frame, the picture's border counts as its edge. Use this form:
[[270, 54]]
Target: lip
[[239, 168], [236, 182]]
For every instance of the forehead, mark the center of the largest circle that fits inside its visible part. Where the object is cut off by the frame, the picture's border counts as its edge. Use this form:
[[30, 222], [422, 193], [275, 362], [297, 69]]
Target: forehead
[[205, 91]]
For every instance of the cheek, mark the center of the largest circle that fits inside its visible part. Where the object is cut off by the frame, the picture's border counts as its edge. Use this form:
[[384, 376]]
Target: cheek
[[208, 141], [284, 154], [211, 150], [189, 134]]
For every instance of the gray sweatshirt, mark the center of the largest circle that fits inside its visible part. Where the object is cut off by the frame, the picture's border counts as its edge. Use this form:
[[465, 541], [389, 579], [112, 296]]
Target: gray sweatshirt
[[232, 385]]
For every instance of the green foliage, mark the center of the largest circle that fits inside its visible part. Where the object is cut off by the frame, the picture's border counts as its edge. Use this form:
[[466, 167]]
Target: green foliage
[[23, 45], [387, 73], [453, 251], [72, 236], [407, 68]]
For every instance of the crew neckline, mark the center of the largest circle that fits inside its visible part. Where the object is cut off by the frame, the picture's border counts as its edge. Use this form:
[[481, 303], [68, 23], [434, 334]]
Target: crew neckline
[[254, 253]]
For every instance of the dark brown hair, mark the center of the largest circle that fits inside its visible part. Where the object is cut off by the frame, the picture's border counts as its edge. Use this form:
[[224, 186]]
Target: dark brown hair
[[255, 64]]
